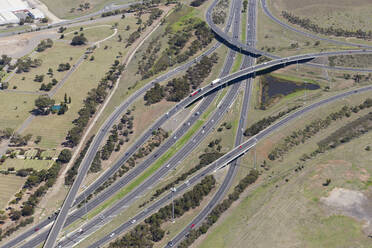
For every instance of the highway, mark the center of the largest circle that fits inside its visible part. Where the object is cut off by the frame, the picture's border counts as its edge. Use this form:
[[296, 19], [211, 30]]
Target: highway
[[174, 161], [206, 90], [99, 138], [227, 79], [104, 130], [233, 167], [273, 63], [221, 162]]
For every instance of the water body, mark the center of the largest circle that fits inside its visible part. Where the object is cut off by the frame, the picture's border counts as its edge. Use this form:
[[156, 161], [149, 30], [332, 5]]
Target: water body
[[273, 87]]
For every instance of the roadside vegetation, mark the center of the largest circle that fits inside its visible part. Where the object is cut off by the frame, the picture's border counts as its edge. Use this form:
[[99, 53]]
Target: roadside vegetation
[[22, 207], [300, 136], [178, 88], [219, 13], [220, 208], [149, 232], [329, 31]]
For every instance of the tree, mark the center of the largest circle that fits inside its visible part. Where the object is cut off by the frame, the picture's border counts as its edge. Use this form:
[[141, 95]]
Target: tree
[[38, 139], [50, 72], [79, 40], [27, 210], [69, 99], [15, 215], [327, 182], [65, 99], [65, 156], [44, 103], [245, 4]]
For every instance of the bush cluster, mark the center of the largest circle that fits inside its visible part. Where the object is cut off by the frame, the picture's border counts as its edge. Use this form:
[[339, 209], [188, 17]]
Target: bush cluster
[[144, 235]]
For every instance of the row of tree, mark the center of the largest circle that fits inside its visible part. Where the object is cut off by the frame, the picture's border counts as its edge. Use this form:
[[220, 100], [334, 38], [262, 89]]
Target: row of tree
[[260, 125], [95, 97], [301, 135], [204, 160], [306, 23], [144, 235], [179, 88], [43, 179], [155, 13], [157, 137], [72, 172]]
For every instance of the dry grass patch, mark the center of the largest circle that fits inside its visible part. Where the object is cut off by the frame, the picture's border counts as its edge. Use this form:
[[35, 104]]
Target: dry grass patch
[[9, 185]]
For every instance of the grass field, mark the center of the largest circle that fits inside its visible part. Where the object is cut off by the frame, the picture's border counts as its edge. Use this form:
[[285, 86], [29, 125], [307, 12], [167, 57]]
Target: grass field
[[60, 53], [92, 33], [14, 109], [18, 164], [62, 8], [284, 214], [77, 86], [271, 34], [351, 15], [9, 185]]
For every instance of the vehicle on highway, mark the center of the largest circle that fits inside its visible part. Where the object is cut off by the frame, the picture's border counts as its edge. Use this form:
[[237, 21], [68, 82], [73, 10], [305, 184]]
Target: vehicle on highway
[[112, 235], [192, 226], [195, 92], [216, 81], [170, 244], [133, 221]]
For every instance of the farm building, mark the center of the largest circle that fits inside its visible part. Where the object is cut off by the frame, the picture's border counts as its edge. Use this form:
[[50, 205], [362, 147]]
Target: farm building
[[7, 17], [36, 14], [13, 5], [12, 11]]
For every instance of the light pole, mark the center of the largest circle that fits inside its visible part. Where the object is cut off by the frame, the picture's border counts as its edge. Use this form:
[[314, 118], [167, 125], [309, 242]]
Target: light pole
[[173, 190]]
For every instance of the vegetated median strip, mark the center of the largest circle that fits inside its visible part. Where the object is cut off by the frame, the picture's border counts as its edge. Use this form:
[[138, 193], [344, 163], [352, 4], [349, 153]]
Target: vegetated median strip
[[244, 24], [168, 154]]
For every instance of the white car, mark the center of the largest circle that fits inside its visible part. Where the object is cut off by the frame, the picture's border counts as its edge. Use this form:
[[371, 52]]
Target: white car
[[112, 235], [133, 221]]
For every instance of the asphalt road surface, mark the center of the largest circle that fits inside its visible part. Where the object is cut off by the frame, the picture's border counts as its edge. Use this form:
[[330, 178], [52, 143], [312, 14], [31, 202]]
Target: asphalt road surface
[[101, 134]]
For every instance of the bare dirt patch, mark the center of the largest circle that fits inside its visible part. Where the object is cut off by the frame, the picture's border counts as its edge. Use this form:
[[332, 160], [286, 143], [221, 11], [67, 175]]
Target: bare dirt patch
[[351, 203], [20, 45]]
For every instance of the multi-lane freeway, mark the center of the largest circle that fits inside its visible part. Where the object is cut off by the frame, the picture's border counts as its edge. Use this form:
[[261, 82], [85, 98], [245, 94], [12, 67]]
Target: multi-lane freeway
[[170, 142], [98, 140], [232, 78]]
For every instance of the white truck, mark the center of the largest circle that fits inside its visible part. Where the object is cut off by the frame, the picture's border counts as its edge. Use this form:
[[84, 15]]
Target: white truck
[[216, 81]]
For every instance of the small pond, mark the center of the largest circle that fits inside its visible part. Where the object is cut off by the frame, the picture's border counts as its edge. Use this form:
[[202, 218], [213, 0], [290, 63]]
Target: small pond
[[273, 87]]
